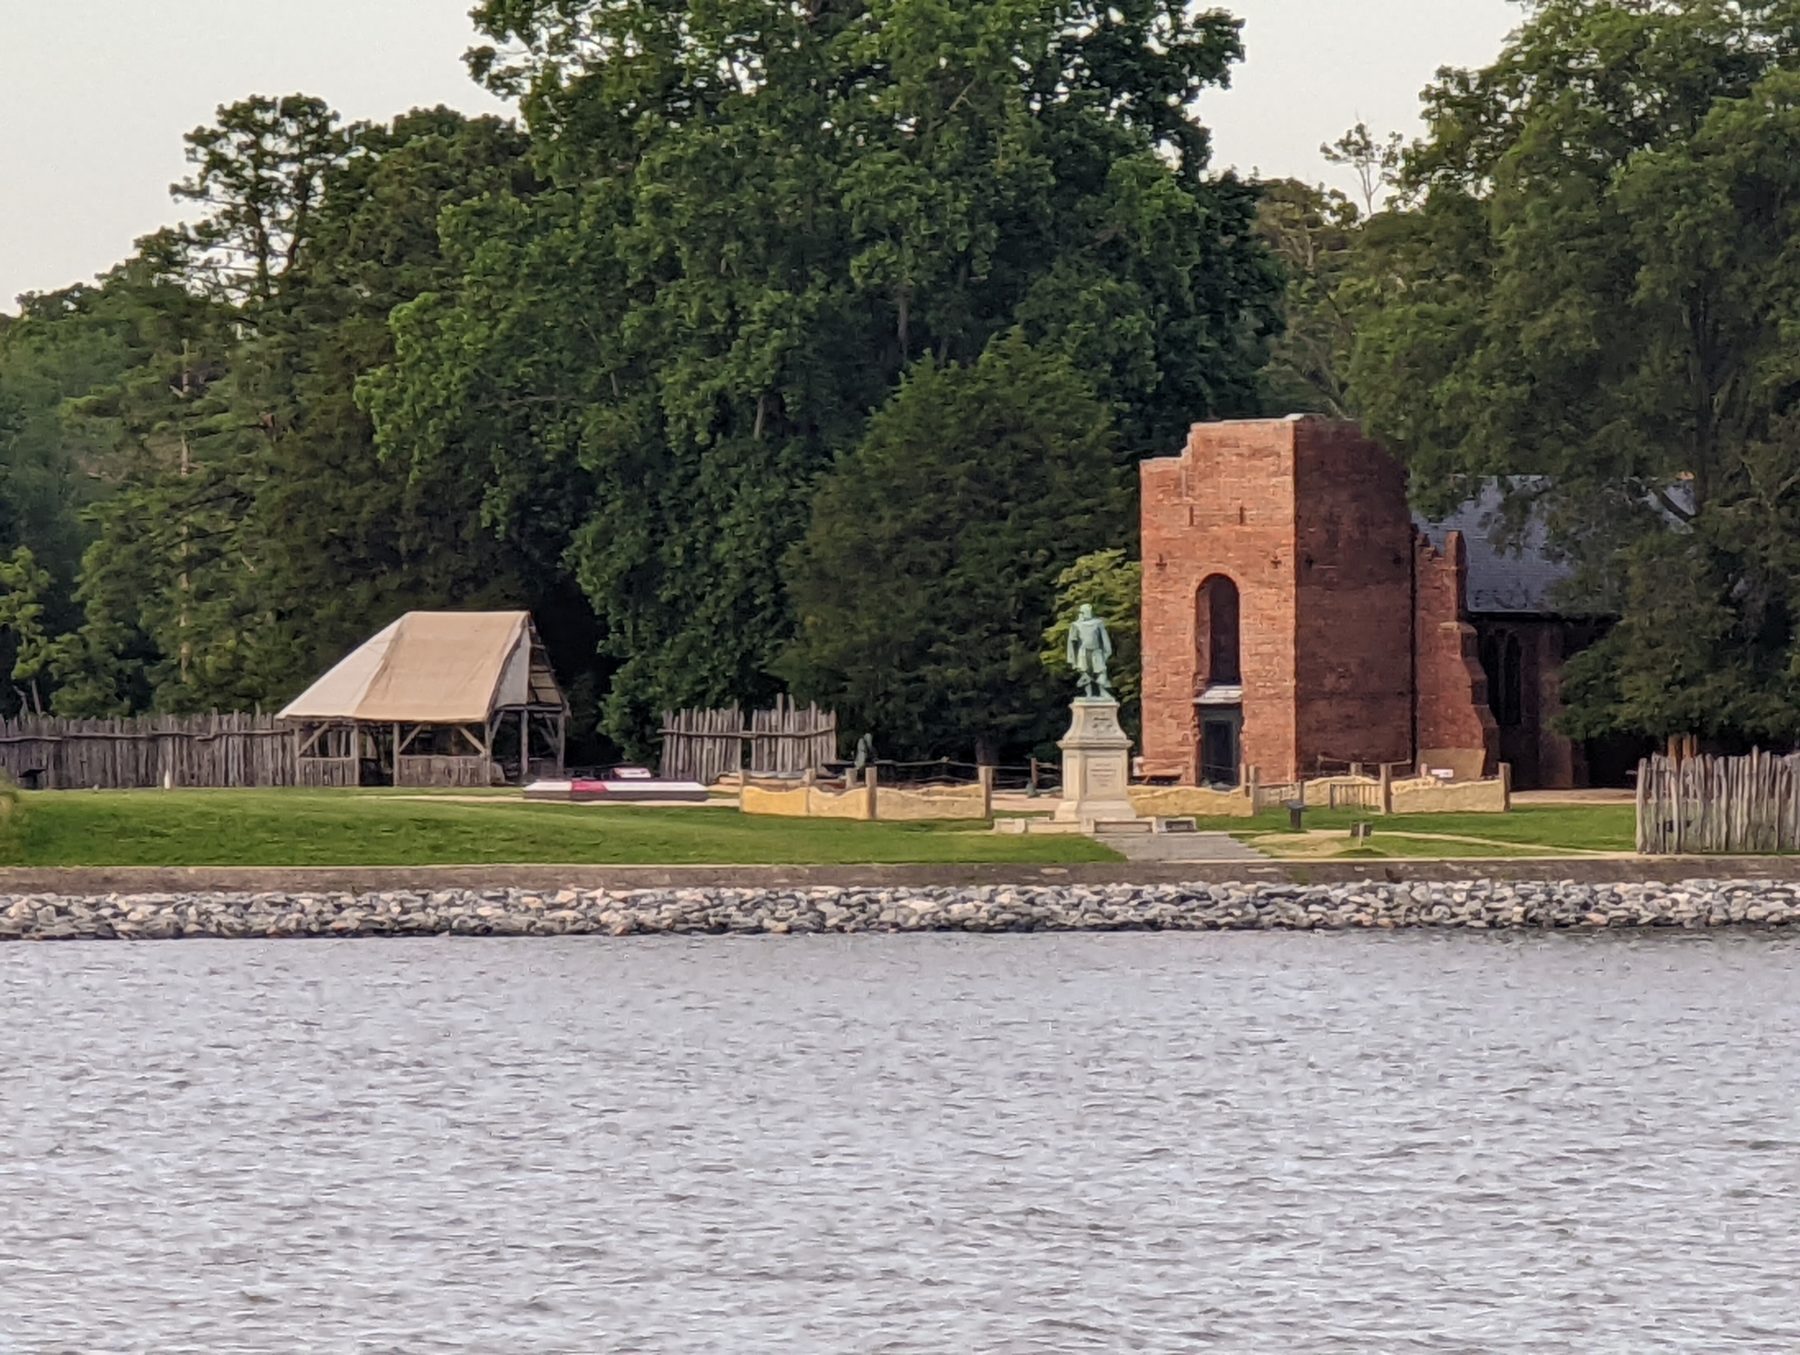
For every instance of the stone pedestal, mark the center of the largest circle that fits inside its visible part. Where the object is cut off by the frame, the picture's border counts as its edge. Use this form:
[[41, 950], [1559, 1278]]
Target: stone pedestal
[[1096, 766]]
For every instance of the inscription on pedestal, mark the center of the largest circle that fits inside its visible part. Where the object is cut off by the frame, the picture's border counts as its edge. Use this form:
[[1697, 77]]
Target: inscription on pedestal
[[1096, 766]]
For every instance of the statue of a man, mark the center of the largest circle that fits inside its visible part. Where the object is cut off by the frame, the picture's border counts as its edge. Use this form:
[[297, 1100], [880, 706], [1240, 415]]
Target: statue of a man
[[1089, 649]]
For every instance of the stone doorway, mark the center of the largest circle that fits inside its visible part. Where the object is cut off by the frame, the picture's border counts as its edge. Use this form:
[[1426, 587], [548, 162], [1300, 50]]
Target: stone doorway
[[1221, 731]]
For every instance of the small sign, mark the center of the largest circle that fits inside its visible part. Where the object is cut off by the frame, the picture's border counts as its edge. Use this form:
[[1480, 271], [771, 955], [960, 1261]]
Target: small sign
[[633, 774], [1444, 773]]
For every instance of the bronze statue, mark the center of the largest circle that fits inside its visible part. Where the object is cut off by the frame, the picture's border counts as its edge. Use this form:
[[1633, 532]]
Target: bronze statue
[[1089, 649]]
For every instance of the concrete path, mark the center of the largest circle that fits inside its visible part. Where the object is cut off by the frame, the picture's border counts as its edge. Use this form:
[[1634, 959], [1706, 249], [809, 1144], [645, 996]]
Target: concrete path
[[1573, 797], [1180, 848]]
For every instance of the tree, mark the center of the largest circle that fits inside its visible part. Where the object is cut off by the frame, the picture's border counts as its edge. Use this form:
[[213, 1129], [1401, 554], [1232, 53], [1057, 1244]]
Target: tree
[[1314, 233], [759, 218], [1377, 162], [259, 174], [62, 346], [249, 533], [1113, 585], [1597, 290], [23, 583], [343, 540], [113, 387], [179, 461], [930, 568]]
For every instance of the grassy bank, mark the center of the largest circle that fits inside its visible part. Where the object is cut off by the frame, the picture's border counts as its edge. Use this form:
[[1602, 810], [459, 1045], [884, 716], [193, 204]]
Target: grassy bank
[[347, 828], [1534, 831], [352, 828]]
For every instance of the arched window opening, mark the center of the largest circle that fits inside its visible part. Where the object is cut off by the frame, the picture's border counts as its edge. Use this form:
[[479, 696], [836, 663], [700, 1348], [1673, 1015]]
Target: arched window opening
[[1512, 686], [1216, 633], [1502, 660]]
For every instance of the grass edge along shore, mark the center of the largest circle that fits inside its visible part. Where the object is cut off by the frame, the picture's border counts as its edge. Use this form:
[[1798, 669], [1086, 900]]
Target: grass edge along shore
[[308, 828]]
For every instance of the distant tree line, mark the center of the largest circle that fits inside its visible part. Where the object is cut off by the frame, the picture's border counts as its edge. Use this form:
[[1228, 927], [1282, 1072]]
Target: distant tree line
[[811, 346]]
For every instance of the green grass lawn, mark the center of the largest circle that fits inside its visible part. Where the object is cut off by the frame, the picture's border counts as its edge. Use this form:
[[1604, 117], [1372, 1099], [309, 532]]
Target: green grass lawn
[[1597, 828], [360, 828], [347, 828], [1393, 848]]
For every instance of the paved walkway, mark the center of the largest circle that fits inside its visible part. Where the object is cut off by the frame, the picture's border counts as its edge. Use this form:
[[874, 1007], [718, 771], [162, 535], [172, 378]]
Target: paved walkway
[[1180, 848], [1574, 797]]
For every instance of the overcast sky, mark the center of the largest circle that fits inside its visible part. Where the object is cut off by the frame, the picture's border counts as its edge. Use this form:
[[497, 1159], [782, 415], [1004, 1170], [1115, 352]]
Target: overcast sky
[[96, 94]]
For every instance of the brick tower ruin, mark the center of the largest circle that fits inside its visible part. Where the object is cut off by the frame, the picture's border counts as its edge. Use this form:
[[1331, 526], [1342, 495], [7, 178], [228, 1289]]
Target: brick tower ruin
[[1294, 618]]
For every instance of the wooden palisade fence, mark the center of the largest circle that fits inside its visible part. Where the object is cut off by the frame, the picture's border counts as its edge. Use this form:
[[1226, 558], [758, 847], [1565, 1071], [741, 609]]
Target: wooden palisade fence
[[703, 745], [144, 751], [1718, 805]]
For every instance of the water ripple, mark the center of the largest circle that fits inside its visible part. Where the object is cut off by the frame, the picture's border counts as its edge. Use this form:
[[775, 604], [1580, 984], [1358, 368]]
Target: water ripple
[[1287, 1143]]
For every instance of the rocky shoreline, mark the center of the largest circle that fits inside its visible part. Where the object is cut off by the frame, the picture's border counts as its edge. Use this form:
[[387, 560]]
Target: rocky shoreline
[[1469, 905]]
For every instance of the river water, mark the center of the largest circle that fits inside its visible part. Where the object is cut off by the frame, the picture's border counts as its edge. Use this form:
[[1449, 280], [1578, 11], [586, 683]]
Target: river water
[[1258, 1143]]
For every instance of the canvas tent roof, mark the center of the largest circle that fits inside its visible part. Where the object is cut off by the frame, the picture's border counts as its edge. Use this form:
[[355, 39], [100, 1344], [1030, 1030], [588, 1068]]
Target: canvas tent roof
[[435, 668]]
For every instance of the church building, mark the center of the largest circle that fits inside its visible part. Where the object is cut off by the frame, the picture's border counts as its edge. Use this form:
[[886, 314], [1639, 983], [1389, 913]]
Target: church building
[[1297, 619]]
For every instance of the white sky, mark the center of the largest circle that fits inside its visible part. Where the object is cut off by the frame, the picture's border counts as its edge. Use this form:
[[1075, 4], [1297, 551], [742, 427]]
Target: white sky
[[95, 95]]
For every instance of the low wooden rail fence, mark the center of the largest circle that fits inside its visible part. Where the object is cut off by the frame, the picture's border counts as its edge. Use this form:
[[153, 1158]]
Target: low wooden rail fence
[[139, 752], [1718, 805]]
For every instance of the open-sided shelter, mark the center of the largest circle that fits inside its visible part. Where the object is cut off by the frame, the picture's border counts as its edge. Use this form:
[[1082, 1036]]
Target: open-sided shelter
[[436, 699]]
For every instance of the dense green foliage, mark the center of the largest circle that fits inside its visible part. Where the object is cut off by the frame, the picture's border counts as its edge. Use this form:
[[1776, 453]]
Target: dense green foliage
[[1112, 584], [1324, 241], [1597, 288], [202, 429], [761, 217], [932, 559], [809, 344], [605, 364]]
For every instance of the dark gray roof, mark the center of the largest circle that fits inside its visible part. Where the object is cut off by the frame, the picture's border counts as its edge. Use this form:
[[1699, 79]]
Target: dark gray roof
[[1525, 577], [1519, 579]]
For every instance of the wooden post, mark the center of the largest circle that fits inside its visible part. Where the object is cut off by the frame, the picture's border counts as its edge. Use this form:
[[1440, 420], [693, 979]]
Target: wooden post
[[524, 746], [1643, 804], [1032, 785], [1387, 788], [1678, 799], [871, 793], [986, 777], [1506, 786], [1253, 784]]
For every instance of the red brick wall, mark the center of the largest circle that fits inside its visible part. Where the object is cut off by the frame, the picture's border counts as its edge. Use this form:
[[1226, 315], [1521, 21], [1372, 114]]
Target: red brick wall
[[1452, 699], [1354, 588], [1225, 506], [1562, 765], [1541, 758], [1354, 639]]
